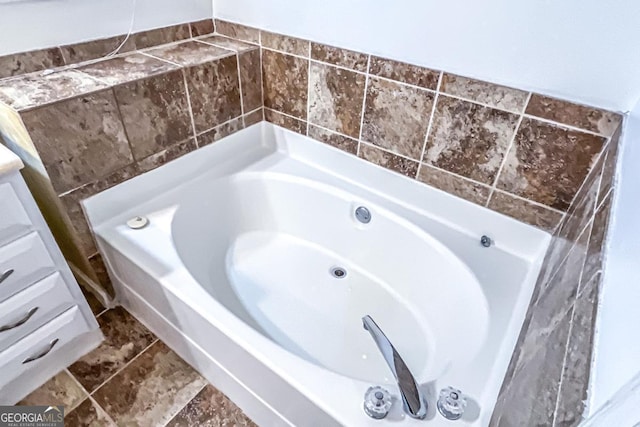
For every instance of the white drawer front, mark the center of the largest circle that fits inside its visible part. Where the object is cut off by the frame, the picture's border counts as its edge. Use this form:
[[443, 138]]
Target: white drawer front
[[35, 348], [24, 311], [14, 220], [23, 262]]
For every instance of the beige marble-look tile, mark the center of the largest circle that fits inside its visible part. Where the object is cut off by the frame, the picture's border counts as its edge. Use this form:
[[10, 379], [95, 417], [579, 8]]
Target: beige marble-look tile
[[250, 79], [599, 229], [577, 364], [238, 31], [335, 98], [35, 90], [228, 43], [125, 338], [388, 160], [158, 36], [127, 68], [62, 389], [406, 73], [522, 210], [284, 43], [286, 122], [469, 139], [155, 113], [334, 139], [255, 116], [452, 184], [580, 116], [97, 264], [609, 171], [340, 57], [285, 79], [210, 408], [170, 153], [547, 163], [79, 140], [189, 53], [396, 117], [493, 95], [88, 413], [219, 132], [214, 91], [28, 62], [200, 28], [94, 49], [151, 389]]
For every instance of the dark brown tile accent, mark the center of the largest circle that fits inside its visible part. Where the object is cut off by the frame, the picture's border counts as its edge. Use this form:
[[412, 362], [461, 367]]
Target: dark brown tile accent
[[190, 53], [493, 95], [88, 414], [79, 140], [166, 155], [339, 141], [227, 43], [599, 229], [149, 38], [452, 184], [210, 408], [94, 49], [336, 97], [286, 122], [388, 160], [580, 116], [577, 364], [285, 80], [405, 73], [214, 92], [35, 90], [98, 266], [525, 211], [127, 68], [609, 171], [59, 390], [200, 28], [285, 44], [256, 116], [548, 163], [396, 117], [469, 139], [151, 389], [341, 57], [125, 338], [220, 132], [238, 31], [155, 113], [29, 62], [250, 79]]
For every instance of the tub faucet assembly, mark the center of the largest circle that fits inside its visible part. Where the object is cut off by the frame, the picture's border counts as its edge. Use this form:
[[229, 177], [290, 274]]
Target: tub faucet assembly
[[413, 400]]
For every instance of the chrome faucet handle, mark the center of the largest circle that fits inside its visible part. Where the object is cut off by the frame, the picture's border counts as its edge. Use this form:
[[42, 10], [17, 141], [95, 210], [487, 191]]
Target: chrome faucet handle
[[377, 402], [451, 403]]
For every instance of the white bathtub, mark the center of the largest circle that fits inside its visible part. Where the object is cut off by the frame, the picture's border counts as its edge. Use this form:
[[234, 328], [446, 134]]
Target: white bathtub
[[234, 273]]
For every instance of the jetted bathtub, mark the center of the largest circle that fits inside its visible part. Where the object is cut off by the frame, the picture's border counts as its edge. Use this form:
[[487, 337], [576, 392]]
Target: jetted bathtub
[[254, 267]]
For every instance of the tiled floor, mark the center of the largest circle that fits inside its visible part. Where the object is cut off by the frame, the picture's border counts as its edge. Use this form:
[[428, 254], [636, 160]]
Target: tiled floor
[[134, 379]]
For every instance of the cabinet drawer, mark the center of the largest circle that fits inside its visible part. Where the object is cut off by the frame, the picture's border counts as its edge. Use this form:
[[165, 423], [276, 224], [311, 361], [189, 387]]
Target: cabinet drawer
[[41, 345], [24, 311], [23, 262], [14, 221]]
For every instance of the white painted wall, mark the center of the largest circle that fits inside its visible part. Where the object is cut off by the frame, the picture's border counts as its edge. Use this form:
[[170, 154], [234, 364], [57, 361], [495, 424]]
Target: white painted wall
[[583, 50], [617, 356], [34, 24]]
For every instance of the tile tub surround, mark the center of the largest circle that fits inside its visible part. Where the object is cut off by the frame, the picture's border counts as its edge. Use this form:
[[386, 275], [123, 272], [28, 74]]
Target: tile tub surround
[[521, 154], [135, 379], [547, 379]]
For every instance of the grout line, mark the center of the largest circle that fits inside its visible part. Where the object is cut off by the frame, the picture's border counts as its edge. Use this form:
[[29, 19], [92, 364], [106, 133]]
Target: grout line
[[364, 104], [430, 124], [262, 74], [234, 51], [193, 122], [109, 417], [123, 367], [176, 412], [190, 30], [308, 86], [467, 179], [533, 202], [124, 127], [566, 126], [333, 131], [223, 124], [161, 59], [240, 87], [86, 393]]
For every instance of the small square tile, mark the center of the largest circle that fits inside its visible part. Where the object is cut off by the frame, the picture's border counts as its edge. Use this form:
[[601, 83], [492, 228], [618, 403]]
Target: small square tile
[[522, 210], [284, 43], [286, 122], [502, 97], [200, 28], [452, 184], [334, 139], [388, 160], [405, 73], [285, 80], [341, 57], [238, 31]]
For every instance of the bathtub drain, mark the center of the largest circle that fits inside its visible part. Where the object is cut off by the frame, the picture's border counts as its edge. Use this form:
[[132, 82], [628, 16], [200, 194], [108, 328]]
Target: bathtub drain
[[338, 273]]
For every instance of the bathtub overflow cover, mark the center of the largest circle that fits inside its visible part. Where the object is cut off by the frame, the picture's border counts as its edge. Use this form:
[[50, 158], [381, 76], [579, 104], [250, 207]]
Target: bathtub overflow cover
[[338, 273], [137, 222]]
